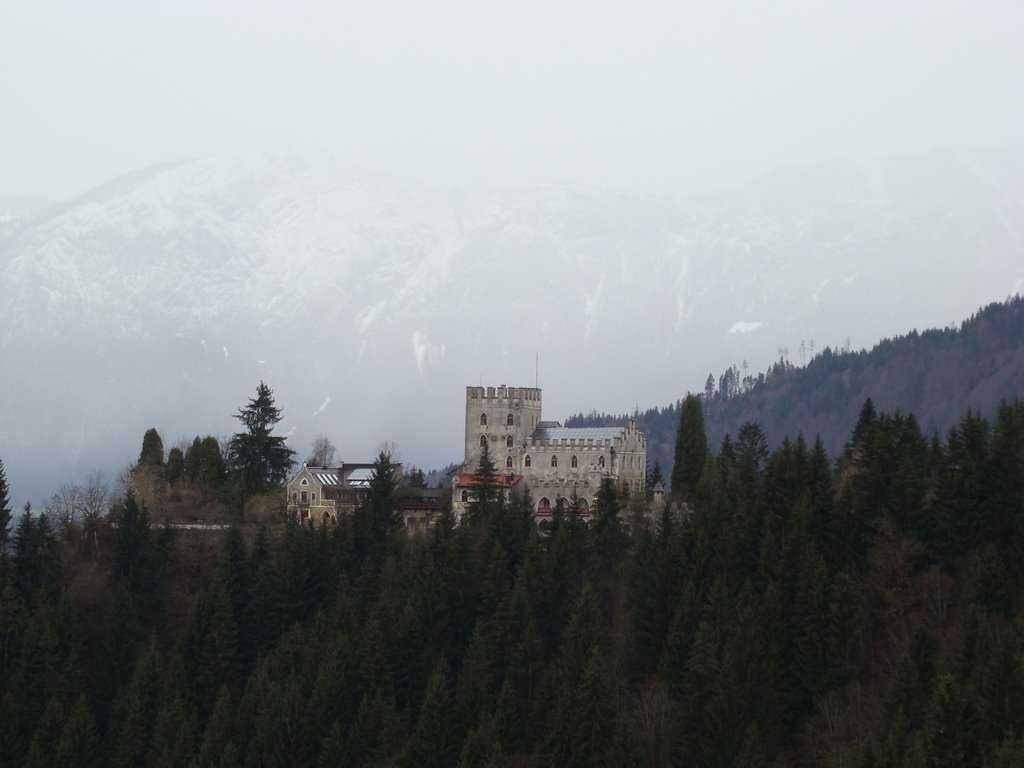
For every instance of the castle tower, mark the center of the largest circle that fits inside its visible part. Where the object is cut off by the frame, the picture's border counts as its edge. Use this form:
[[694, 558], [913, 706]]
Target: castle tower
[[503, 416]]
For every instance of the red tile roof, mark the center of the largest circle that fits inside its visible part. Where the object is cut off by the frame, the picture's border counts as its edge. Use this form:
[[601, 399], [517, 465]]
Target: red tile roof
[[467, 480]]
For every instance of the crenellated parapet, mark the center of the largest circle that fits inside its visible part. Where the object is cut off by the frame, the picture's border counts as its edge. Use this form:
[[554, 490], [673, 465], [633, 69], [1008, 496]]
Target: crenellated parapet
[[556, 462], [503, 393]]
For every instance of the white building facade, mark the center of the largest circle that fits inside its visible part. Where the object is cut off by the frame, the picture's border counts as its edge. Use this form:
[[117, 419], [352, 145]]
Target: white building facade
[[553, 461]]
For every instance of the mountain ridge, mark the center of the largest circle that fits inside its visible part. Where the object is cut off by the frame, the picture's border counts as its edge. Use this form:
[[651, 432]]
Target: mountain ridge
[[936, 375], [166, 295]]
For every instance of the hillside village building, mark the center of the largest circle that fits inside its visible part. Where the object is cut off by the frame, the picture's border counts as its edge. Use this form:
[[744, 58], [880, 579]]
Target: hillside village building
[[322, 494], [553, 461]]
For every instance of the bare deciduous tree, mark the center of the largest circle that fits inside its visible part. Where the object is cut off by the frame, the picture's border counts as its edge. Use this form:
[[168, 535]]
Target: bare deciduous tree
[[95, 499], [322, 452], [63, 506]]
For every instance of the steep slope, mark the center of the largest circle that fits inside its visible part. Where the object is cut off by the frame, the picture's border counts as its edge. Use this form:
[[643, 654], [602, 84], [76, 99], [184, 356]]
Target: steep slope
[[163, 297], [937, 375]]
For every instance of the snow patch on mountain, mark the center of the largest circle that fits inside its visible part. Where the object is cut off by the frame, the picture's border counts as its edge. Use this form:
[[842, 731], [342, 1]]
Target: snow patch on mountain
[[348, 281], [745, 326]]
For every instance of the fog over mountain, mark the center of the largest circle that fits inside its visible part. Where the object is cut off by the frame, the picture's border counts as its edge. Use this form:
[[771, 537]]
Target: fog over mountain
[[163, 297]]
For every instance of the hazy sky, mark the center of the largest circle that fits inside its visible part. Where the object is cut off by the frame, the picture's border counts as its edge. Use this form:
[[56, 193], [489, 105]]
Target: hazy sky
[[676, 96]]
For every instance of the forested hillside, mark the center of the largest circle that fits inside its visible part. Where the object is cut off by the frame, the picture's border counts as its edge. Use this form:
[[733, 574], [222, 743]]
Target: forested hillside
[[936, 375], [800, 611]]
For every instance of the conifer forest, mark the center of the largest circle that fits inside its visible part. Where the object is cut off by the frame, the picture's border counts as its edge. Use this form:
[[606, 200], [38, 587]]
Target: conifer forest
[[784, 608]]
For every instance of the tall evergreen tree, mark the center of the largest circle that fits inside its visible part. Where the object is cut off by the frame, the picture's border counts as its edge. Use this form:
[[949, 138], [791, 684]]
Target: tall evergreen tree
[[152, 454], [484, 497], [175, 465], [5, 508], [203, 463], [260, 459], [691, 449]]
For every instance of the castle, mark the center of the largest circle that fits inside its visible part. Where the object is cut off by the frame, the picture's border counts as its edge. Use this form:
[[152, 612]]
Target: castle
[[553, 461]]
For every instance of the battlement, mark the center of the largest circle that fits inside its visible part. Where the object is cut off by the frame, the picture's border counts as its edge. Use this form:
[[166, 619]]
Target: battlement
[[503, 393], [569, 442]]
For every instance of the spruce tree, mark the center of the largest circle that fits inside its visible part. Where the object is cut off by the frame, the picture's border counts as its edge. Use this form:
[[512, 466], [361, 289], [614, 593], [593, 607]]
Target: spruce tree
[[5, 508], [260, 459], [152, 454], [484, 498], [691, 449], [203, 463], [175, 465]]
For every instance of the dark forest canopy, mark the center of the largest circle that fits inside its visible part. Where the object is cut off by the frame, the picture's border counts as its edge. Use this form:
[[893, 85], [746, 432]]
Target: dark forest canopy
[[866, 611], [936, 375]]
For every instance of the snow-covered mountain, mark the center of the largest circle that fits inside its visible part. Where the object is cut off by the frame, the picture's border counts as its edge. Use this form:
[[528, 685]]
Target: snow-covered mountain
[[163, 297]]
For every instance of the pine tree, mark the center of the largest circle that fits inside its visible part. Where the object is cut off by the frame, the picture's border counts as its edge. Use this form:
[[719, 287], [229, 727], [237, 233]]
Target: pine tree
[[378, 516], [5, 508], [432, 743], [691, 449], [78, 745], [152, 454], [609, 539], [261, 460], [485, 495], [943, 741], [203, 463], [175, 465]]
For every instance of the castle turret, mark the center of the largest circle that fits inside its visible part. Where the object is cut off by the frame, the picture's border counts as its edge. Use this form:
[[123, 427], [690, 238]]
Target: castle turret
[[504, 417]]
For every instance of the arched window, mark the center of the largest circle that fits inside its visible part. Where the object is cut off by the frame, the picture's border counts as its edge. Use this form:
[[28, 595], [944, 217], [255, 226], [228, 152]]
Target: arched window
[[600, 462], [509, 442], [509, 420], [574, 463], [483, 441], [508, 463], [544, 503], [483, 419], [526, 461], [465, 495], [554, 461]]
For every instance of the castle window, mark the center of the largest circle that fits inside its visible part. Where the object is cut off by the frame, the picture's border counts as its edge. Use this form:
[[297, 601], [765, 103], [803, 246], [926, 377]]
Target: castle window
[[508, 441], [483, 419], [509, 420], [465, 495], [508, 462], [554, 461], [483, 441], [526, 461], [600, 462], [574, 463], [545, 503]]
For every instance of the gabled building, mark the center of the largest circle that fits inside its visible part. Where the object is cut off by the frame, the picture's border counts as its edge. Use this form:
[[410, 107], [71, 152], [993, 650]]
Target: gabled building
[[322, 494], [556, 463]]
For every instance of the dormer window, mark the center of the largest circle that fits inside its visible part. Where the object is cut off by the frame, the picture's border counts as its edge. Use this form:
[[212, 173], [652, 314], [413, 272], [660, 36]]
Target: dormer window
[[483, 419]]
